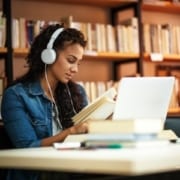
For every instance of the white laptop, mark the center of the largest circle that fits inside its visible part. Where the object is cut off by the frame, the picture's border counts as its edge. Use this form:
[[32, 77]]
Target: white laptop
[[143, 98]]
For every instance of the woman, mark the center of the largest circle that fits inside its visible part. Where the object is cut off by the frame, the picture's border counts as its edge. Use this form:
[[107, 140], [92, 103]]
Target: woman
[[37, 108]]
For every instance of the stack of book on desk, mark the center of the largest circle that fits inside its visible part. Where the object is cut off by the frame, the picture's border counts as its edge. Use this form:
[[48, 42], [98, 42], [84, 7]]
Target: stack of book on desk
[[120, 134], [122, 141], [124, 133]]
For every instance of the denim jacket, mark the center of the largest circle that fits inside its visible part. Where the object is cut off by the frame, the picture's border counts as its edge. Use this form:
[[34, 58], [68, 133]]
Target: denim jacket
[[27, 114], [27, 117]]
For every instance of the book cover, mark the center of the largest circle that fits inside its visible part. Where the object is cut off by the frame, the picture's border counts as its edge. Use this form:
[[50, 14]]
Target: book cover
[[141, 126]]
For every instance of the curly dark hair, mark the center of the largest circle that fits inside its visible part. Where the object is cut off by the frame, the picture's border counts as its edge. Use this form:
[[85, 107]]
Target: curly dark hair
[[36, 69], [67, 36]]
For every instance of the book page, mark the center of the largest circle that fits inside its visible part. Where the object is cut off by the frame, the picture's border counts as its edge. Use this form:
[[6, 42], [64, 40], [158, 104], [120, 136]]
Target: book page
[[96, 108]]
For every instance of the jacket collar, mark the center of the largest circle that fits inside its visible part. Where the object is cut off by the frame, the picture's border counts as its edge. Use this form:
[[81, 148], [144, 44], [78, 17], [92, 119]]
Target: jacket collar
[[35, 88]]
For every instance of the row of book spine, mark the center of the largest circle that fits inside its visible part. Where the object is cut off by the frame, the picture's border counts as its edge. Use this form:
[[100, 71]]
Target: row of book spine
[[95, 89], [2, 30], [100, 37], [24, 31], [161, 38], [123, 38]]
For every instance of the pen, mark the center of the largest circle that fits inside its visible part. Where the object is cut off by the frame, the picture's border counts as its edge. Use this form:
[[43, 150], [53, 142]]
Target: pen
[[114, 146], [98, 146]]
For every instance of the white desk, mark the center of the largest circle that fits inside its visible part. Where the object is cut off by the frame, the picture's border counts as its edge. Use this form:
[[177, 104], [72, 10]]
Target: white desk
[[118, 162]]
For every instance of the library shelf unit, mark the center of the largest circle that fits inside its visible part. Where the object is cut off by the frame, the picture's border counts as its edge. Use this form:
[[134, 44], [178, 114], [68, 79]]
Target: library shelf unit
[[112, 6], [166, 57], [165, 8], [3, 50], [106, 56], [163, 13]]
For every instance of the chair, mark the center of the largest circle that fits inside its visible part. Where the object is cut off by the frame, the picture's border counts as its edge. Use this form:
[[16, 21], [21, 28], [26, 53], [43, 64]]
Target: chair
[[173, 123]]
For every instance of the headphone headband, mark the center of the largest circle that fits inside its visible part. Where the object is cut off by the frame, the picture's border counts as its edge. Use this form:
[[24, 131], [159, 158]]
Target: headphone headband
[[53, 38], [48, 55]]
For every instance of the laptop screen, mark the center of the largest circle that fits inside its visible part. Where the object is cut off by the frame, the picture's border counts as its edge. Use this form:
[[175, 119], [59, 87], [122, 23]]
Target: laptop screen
[[143, 98]]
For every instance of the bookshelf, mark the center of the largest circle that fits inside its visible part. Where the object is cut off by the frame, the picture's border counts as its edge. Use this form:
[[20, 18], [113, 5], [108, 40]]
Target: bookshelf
[[165, 8], [169, 13], [107, 64], [110, 8], [164, 13]]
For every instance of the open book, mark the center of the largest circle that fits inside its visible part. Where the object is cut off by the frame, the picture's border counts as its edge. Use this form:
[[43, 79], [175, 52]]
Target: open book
[[101, 108]]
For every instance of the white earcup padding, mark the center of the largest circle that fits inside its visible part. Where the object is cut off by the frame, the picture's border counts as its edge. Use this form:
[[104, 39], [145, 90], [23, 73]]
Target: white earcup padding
[[48, 56]]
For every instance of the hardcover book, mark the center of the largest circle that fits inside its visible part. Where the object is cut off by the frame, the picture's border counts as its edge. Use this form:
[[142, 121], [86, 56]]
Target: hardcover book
[[141, 126]]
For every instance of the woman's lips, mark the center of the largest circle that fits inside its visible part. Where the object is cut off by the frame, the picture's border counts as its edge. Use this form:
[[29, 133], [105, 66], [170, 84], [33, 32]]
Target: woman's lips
[[69, 76]]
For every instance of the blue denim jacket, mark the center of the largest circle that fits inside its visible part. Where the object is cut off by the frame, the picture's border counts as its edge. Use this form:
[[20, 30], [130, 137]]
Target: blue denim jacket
[[27, 114], [26, 110], [27, 117]]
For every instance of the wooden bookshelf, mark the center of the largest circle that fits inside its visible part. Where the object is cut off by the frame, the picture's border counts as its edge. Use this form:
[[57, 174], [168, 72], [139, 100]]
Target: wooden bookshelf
[[163, 13], [166, 58], [174, 112], [106, 8], [102, 3], [112, 57], [171, 14], [109, 56], [20, 52], [162, 7], [3, 50], [118, 55]]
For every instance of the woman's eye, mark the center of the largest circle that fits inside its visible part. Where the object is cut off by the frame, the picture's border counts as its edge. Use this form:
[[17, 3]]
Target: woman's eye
[[71, 60]]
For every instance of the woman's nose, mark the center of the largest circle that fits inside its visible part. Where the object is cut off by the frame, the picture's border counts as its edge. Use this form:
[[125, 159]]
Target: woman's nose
[[74, 68]]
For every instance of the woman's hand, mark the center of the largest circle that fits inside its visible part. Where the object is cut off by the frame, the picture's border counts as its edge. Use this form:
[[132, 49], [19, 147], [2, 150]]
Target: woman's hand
[[79, 128]]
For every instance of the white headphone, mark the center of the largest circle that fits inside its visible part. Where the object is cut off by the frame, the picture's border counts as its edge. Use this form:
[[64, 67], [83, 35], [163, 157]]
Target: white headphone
[[48, 55]]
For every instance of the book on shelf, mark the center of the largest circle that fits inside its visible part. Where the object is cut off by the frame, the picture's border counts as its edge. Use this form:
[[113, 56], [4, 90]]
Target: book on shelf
[[123, 37], [158, 2], [130, 34], [2, 30], [146, 38], [94, 89], [111, 38], [161, 38], [176, 2], [100, 108]]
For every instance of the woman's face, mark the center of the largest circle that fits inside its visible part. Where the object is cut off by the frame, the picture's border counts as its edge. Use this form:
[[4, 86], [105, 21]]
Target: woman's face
[[67, 62]]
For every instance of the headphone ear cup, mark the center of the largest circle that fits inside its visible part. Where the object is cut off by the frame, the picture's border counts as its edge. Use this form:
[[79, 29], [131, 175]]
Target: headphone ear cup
[[48, 56]]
